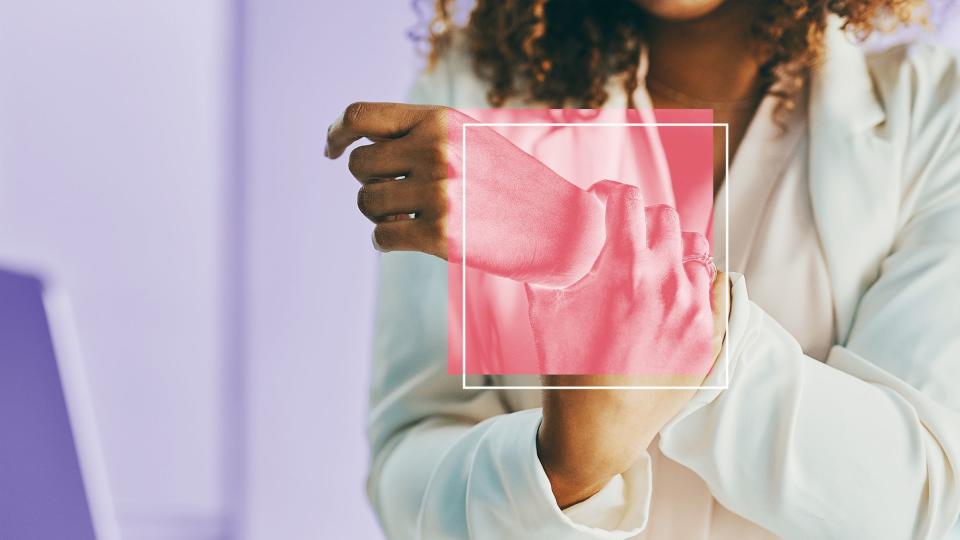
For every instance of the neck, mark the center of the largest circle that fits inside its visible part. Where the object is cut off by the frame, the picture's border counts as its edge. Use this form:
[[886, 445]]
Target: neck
[[708, 58]]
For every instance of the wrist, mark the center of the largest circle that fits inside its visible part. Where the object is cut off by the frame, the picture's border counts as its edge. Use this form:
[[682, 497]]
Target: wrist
[[574, 474], [581, 448]]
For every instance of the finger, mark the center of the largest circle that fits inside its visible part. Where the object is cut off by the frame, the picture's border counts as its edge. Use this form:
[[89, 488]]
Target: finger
[[377, 200], [699, 279], [697, 262], [694, 245], [405, 235], [388, 159], [624, 217], [663, 230], [372, 120], [720, 296]]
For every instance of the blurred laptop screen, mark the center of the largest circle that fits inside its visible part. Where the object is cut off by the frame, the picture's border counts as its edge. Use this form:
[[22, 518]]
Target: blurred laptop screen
[[42, 493]]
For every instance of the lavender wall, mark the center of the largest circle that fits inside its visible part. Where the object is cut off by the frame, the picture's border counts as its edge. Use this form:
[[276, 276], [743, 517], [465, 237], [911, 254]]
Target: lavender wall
[[311, 267], [112, 179]]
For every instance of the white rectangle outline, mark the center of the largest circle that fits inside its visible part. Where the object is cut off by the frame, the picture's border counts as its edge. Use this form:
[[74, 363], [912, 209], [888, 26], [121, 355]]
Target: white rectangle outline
[[726, 224]]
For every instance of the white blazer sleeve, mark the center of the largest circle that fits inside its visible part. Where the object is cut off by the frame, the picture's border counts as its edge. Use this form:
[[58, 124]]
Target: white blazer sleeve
[[449, 462], [455, 463], [866, 445]]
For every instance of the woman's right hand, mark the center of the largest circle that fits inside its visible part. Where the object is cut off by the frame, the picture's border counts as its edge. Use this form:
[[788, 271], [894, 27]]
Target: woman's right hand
[[525, 222], [402, 173]]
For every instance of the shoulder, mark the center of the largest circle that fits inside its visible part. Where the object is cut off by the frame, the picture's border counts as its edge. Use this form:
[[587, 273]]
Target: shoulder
[[915, 65], [919, 87], [452, 81]]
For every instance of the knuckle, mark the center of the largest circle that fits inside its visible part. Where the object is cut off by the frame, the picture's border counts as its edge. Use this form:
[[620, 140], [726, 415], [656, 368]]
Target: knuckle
[[436, 114], [438, 171], [663, 223], [437, 155], [662, 213], [695, 244], [367, 199], [437, 121], [671, 216], [356, 160], [437, 160], [437, 197], [435, 231], [441, 171], [353, 113]]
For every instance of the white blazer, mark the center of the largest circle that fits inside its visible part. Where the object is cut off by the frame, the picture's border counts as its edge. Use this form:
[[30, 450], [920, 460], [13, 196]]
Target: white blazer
[[864, 445]]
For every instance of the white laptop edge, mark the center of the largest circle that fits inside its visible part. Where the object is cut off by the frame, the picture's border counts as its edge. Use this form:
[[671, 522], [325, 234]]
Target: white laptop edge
[[80, 410]]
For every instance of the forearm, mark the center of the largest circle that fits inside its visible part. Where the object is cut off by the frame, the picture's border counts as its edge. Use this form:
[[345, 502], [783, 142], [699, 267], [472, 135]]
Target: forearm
[[582, 447], [447, 479], [400, 472], [809, 450]]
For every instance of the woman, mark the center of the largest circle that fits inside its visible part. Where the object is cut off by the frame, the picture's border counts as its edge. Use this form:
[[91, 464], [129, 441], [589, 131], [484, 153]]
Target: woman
[[840, 419]]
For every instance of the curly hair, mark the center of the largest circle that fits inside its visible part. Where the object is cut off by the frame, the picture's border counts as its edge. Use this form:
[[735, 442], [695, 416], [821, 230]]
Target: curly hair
[[563, 52]]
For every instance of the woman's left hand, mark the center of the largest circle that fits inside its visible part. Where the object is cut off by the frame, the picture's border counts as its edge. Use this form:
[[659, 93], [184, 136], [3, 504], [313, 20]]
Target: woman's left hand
[[641, 317]]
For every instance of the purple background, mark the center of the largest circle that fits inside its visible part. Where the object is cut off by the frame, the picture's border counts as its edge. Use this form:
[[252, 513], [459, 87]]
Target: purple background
[[113, 173], [309, 259], [162, 159], [39, 466]]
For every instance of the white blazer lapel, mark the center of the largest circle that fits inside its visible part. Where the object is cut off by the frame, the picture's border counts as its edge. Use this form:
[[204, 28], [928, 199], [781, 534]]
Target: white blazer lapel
[[854, 183]]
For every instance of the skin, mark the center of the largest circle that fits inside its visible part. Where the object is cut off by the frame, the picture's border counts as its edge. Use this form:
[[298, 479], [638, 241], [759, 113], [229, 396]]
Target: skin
[[678, 10], [698, 48], [706, 57], [409, 141]]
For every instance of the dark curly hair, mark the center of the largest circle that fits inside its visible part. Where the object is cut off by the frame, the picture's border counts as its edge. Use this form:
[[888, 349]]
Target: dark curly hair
[[563, 52]]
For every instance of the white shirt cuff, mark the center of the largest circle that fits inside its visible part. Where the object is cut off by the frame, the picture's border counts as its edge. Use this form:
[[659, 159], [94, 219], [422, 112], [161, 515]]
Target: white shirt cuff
[[510, 461], [623, 504]]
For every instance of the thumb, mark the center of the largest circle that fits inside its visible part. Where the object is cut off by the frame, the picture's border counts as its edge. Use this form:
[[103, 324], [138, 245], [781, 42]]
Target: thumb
[[624, 219], [697, 262]]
